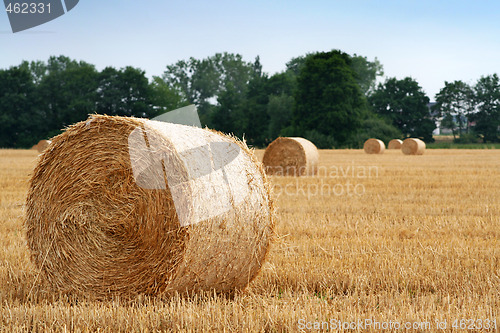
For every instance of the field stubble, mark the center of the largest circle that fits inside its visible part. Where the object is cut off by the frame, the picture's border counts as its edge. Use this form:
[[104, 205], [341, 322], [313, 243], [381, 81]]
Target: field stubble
[[415, 239]]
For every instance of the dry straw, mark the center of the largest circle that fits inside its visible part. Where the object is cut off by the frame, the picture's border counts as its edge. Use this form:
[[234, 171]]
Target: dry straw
[[41, 145], [93, 230], [413, 146], [374, 146], [395, 144], [291, 157]]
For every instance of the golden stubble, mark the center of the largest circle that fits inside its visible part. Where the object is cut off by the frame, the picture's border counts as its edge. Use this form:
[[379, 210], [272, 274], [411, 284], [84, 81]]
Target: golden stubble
[[384, 237]]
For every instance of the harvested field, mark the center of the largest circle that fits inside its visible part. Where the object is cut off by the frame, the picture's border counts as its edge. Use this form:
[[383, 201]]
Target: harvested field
[[407, 240]]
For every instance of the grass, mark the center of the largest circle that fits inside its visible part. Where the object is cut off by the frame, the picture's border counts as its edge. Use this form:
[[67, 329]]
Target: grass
[[447, 142], [407, 239], [452, 145]]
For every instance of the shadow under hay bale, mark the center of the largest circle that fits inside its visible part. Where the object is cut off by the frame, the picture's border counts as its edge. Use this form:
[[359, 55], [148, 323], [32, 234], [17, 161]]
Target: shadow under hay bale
[[107, 215], [395, 144], [291, 157], [374, 146], [413, 146]]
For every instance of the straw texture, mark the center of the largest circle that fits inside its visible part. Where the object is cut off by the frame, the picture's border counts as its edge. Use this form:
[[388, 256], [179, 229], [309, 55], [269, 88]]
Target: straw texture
[[395, 144], [412, 146], [93, 230], [291, 157], [374, 146]]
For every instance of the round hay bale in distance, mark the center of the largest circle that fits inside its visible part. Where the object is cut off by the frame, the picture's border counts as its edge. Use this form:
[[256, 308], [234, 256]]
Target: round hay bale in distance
[[125, 206], [395, 144], [41, 145], [412, 146], [291, 156], [374, 146]]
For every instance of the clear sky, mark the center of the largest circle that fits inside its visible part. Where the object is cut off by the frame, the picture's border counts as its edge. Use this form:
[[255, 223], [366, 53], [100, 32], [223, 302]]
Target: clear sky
[[431, 41]]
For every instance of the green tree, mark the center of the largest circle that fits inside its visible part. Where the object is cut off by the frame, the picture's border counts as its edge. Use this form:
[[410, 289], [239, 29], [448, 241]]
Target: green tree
[[374, 126], [201, 82], [449, 122], [404, 103], [280, 111], [455, 100], [328, 98], [245, 112], [66, 93], [366, 73], [223, 117], [296, 64], [165, 98], [487, 115], [124, 92], [38, 69], [21, 122], [254, 110], [283, 83]]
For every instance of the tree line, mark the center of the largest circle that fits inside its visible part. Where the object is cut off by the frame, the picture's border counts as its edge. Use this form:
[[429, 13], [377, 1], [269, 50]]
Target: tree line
[[331, 98], [471, 111]]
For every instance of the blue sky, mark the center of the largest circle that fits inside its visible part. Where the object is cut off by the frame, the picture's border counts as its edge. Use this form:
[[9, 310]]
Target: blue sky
[[431, 41]]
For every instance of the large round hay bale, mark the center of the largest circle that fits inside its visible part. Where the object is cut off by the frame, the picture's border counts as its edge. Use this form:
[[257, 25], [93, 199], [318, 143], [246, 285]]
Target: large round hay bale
[[291, 157], [123, 206], [395, 144], [374, 146], [413, 146], [41, 145]]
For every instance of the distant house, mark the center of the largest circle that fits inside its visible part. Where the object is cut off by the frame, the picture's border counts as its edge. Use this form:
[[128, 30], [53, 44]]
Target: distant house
[[438, 119]]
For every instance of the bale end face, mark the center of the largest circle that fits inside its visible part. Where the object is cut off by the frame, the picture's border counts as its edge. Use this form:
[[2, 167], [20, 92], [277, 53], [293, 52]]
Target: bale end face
[[374, 146], [395, 144], [291, 157], [41, 145], [412, 146]]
